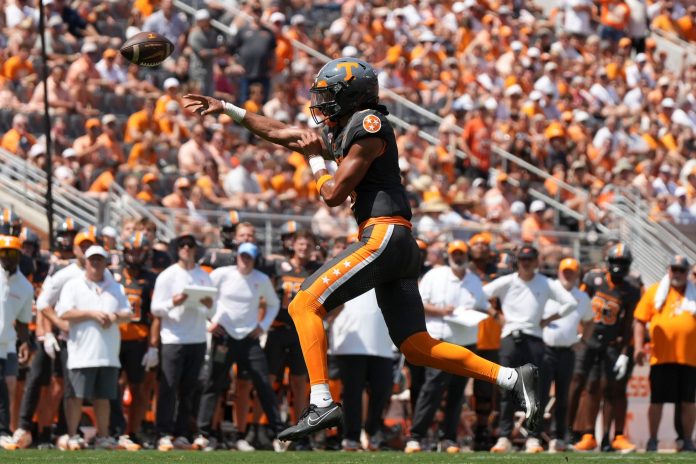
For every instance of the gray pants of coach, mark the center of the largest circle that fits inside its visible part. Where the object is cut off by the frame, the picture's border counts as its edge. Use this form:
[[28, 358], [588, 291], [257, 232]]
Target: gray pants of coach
[[249, 356], [180, 366]]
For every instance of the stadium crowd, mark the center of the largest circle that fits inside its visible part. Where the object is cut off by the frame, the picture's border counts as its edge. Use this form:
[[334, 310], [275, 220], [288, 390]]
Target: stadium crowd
[[583, 94]]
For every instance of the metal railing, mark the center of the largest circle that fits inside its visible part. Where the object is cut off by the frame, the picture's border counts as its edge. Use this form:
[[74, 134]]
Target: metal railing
[[25, 183], [652, 243], [120, 205]]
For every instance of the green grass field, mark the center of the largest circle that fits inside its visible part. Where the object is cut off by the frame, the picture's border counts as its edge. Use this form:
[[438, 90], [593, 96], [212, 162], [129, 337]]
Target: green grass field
[[264, 457]]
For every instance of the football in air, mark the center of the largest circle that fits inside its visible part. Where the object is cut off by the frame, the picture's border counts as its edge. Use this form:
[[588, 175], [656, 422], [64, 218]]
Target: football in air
[[147, 49]]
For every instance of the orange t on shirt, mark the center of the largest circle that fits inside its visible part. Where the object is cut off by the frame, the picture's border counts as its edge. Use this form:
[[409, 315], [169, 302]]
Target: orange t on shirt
[[673, 336]]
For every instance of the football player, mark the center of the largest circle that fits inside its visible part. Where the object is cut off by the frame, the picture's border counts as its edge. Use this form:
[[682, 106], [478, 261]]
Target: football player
[[604, 360], [358, 136]]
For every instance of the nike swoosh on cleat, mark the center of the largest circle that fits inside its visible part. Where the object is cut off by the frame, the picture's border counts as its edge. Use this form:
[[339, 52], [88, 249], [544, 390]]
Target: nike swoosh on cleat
[[312, 423], [527, 404]]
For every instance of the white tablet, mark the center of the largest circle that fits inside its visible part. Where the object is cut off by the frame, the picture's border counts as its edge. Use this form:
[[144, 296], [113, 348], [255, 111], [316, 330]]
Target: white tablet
[[197, 292], [467, 317]]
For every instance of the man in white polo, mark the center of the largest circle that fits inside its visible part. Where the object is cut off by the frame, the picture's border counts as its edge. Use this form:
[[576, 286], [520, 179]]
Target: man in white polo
[[183, 336], [236, 329], [16, 297], [93, 305], [450, 296]]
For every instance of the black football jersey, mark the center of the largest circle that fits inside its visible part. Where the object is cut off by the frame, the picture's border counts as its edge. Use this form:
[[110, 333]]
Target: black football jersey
[[288, 281], [380, 192], [612, 305], [139, 292]]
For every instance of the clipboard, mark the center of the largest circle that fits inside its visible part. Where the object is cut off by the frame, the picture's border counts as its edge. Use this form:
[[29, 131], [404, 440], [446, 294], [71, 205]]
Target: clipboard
[[466, 318], [198, 292]]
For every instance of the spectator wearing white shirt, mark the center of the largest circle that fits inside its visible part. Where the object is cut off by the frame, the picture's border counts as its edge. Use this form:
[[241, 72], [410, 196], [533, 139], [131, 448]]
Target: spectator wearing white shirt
[[93, 305], [236, 329], [44, 364], [561, 338], [16, 298], [523, 296], [679, 210], [360, 343], [183, 337], [577, 16], [450, 295], [109, 71]]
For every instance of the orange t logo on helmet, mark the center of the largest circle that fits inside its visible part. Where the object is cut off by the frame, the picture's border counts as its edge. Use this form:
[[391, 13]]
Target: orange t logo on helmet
[[348, 68]]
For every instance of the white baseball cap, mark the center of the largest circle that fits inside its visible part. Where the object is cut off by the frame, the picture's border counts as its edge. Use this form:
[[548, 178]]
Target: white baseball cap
[[517, 208], [516, 46], [536, 206], [171, 82], [96, 250], [277, 17], [202, 15]]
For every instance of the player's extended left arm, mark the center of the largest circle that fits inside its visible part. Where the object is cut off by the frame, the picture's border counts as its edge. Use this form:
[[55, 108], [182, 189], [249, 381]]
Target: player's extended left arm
[[335, 189], [267, 128]]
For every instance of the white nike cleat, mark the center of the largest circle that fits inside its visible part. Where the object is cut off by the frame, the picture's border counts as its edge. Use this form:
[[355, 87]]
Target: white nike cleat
[[313, 418]]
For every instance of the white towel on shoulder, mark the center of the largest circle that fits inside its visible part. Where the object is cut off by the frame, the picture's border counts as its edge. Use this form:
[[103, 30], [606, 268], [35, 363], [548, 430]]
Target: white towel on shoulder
[[688, 303]]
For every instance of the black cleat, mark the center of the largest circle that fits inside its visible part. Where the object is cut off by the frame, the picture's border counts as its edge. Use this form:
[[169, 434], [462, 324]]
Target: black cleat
[[313, 418], [526, 391]]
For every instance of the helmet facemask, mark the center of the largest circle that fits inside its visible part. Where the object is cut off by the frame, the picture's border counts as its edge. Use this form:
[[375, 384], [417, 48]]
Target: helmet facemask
[[323, 102]]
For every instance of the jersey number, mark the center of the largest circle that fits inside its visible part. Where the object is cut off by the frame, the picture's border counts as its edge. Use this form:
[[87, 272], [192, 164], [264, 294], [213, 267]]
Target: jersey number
[[606, 311], [136, 306]]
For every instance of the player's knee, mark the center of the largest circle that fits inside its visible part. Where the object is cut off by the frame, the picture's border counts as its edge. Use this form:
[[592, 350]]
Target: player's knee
[[416, 347], [302, 303]]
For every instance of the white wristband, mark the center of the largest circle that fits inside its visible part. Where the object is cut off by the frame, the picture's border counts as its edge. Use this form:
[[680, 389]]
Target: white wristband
[[235, 112], [317, 164]]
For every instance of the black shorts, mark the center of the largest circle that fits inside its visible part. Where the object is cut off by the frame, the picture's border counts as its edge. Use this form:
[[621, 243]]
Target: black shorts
[[672, 383], [283, 349], [387, 259], [131, 357], [593, 363]]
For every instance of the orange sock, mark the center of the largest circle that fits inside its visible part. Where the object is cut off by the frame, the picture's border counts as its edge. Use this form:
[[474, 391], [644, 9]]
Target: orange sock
[[423, 350], [308, 315]]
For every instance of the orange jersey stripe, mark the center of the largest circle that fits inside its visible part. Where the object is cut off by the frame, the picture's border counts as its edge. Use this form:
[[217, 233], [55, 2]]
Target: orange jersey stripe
[[342, 271], [383, 220]]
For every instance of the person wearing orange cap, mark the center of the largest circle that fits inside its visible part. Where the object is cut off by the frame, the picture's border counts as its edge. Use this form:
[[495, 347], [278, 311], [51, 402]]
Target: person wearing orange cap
[[560, 337], [148, 189], [111, 73], [87, 147], [15, 311], [451, 294], [181, 195]]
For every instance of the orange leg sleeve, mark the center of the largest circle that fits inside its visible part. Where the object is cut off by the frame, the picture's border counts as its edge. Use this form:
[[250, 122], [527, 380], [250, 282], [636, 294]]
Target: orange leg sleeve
[[423, 350], [308, 315]]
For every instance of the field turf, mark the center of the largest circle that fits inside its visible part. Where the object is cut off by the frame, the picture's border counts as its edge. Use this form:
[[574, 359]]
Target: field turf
[[264, 457]]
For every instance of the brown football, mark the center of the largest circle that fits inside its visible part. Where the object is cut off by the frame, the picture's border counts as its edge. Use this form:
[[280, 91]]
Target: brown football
[[147, 49]]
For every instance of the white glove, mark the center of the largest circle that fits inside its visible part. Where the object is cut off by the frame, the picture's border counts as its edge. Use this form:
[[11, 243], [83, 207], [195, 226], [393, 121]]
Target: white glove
[[621, 366], [151, 358], [50, 344]]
